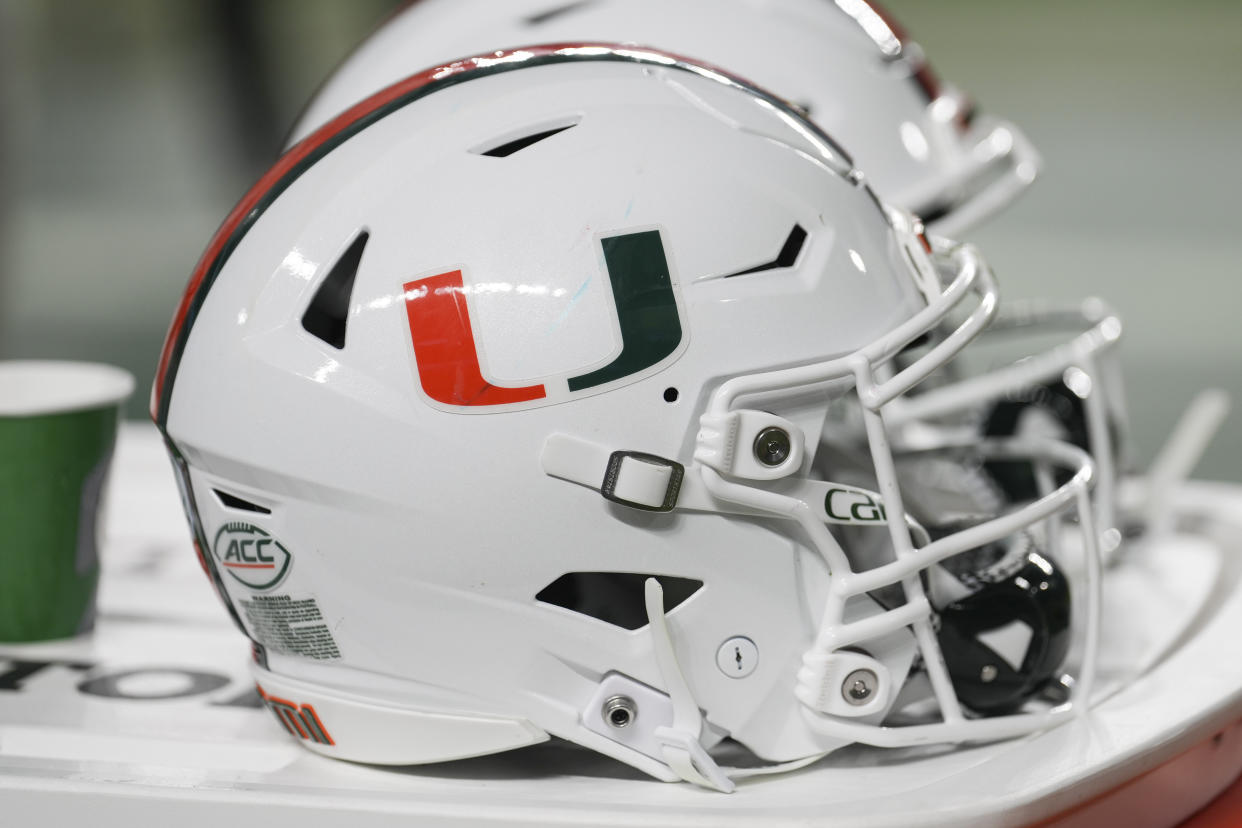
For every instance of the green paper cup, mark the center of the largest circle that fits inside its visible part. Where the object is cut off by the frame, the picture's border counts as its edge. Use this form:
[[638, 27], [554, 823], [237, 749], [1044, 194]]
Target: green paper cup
[[58, 423]]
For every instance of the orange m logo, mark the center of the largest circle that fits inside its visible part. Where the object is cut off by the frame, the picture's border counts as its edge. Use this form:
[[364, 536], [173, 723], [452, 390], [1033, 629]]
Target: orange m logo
[[301, 720]]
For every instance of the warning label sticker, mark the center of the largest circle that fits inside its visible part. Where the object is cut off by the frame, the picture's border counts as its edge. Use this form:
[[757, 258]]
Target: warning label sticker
[[293, 626]]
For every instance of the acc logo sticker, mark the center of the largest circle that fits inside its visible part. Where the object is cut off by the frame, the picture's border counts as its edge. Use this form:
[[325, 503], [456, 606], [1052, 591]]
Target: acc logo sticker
[[251, 556]]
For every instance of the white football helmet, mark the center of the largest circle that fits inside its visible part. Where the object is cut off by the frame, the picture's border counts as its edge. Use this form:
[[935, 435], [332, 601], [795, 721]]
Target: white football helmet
[[847, 65], [496, 403]]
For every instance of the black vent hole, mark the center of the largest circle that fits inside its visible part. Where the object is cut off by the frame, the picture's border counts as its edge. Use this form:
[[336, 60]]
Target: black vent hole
[[234, 502], [328, 313], [787, 257], [615, 597], [542, 17], [509, 144]]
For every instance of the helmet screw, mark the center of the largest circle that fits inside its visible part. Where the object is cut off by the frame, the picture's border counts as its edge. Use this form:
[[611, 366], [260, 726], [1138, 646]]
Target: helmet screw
[[772, 446], [619, 711], [988, 674], [859, 686]]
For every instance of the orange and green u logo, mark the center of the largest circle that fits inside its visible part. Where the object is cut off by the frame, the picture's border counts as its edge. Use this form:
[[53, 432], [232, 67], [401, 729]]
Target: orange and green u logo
[[448, 360]]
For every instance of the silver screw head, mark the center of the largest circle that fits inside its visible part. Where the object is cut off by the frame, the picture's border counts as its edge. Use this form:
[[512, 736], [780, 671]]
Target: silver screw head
[[619, 711], [772, 446], [859, 686], [988, 674]]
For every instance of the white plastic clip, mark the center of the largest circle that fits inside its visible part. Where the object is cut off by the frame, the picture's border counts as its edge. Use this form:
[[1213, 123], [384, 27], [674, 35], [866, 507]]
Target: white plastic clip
[[683, 752], [754, 445], [843, 684]]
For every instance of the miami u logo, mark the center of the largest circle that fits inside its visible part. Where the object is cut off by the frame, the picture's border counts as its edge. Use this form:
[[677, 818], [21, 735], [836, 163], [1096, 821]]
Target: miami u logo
[[448, 359]]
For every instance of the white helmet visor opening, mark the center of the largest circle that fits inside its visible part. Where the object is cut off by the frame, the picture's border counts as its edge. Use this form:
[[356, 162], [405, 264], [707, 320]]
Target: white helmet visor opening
[[833, 667]]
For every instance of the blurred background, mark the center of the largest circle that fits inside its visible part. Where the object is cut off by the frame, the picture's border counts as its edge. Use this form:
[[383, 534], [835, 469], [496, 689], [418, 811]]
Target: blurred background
[[128, 129]]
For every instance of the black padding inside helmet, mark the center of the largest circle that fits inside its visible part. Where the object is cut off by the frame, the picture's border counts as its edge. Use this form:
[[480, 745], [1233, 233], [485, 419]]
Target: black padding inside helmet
[[1034, 593], [1016, 478]]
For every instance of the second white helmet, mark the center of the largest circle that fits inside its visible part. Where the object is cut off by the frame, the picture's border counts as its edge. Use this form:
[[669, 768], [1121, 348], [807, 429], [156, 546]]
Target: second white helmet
[[847, 65]]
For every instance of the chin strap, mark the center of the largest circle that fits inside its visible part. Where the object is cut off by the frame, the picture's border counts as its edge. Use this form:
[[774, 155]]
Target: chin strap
[[655, 484], [683, 752]]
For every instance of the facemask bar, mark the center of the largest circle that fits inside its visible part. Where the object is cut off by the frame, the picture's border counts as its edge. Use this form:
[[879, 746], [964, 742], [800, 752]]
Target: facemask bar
[[1089, 353], [973, 278], [996, 164]]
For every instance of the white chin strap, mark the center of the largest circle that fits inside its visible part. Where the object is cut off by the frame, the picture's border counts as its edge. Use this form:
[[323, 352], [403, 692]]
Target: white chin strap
[[683, 752]]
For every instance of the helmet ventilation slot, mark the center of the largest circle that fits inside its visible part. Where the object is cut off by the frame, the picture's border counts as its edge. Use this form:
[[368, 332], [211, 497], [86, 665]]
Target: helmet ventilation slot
[[328, 313], [234, 502], [511, 144], [556, 11], [787, 257], [615, 597]]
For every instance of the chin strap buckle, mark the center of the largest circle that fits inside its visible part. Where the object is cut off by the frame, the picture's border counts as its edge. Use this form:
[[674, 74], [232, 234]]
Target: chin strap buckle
[[642, 481], [687, 758], [631, 478]]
